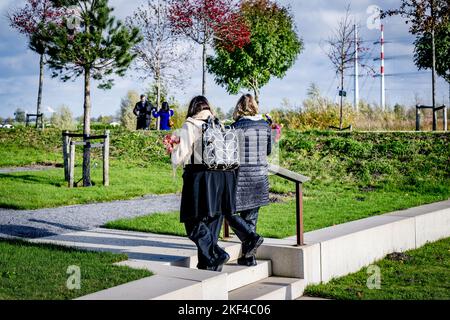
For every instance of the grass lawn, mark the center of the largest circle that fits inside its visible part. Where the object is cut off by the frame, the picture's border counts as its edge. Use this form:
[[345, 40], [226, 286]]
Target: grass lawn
[[422, 274], [322, 208], [43, 189], [36, 271]]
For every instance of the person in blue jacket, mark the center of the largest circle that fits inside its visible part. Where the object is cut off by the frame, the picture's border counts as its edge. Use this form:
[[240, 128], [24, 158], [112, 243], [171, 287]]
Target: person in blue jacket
[[165, 113]]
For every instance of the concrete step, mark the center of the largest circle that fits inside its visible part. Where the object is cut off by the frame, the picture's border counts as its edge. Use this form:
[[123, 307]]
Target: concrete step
[[271, 288], [156, 287], [213, 285], [191, 260], [240, 276]]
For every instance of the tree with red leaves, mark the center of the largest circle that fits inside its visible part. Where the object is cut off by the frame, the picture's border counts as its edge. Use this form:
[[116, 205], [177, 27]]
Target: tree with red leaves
[[206, 21], [28, 21]]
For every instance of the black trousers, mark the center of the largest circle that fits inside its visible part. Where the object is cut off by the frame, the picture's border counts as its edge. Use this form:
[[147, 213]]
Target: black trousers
[[244, 223], [143, 123], [205, 235]]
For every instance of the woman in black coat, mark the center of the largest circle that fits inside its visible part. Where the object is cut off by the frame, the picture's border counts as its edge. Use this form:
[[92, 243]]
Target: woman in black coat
[[252, 180], [207, 195]]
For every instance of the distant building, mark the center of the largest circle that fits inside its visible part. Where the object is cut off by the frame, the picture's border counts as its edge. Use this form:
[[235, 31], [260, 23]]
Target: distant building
[[115, 124]]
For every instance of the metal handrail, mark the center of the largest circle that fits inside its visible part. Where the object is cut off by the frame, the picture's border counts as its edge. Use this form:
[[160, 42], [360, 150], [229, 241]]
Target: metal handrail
[[298, 179]]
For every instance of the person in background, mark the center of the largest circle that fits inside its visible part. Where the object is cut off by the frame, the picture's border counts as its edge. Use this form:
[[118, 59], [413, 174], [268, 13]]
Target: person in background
[[207, 195], [252, 189], [143, 111], [164, 115]]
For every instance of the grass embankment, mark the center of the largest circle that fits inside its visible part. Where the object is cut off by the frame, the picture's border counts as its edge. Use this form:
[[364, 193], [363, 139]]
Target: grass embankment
[[36, 271], [354, 175], [421, 274], [139, 166]]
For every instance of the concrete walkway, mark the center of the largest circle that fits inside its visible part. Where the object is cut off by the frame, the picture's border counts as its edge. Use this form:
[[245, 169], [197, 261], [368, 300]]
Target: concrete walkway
[[55, 221], [283, 270]]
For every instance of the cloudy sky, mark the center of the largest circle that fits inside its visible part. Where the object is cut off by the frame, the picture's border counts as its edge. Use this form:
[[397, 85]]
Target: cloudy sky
[[315, 20]]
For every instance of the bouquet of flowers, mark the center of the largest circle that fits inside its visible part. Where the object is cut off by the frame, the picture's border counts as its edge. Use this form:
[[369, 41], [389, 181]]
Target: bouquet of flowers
[[274, 126], [170, 141]]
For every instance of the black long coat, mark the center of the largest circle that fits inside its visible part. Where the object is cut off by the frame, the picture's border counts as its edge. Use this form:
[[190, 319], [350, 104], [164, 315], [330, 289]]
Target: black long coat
[[252, 180], [143, 112]]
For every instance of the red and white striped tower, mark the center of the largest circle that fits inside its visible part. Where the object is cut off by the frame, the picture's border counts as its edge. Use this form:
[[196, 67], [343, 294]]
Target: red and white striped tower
[[383, 93]]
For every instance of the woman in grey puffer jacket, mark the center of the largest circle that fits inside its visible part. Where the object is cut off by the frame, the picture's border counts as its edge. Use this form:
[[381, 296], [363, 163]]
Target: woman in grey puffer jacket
[[252, 180]]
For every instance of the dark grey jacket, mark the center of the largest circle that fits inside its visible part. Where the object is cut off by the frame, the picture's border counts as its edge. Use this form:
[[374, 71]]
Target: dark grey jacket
[[252, 180]]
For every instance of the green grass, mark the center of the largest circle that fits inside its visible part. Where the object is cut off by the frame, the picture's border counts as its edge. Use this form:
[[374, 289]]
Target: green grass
[[36, 272], [43, 189], [322, 208], [27, 146], [424, 276]]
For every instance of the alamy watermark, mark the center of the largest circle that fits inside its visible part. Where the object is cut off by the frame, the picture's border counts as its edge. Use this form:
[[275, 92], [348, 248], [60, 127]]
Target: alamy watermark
[[374, 279], [74, 280], [373, 22]]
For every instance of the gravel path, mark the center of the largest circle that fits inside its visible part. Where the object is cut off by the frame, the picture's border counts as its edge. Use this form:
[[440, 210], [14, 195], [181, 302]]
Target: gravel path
[[53, 221], [28, 168]]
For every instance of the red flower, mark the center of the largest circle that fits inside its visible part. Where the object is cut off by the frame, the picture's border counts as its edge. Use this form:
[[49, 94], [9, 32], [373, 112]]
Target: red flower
[[170, 141]]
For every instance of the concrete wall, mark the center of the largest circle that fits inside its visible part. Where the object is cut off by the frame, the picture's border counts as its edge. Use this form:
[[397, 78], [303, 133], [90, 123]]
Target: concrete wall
[[343, 249]]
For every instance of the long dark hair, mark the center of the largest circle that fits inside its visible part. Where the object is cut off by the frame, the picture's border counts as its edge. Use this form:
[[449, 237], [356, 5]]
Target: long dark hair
[[165, 106], [197, 105]]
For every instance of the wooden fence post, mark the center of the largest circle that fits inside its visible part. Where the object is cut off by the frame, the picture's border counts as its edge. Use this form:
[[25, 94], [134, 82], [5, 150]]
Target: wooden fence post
[[445, 119], [106, 159], [72, 164], [417, 118], [66, 146]]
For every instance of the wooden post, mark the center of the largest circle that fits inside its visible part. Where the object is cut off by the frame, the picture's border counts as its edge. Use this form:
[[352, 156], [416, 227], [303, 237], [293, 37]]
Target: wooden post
[[65, 139], [226, 229], [42, 121], [72, 164], [299, 213], [417, 118], [106, 159], [445, 119]]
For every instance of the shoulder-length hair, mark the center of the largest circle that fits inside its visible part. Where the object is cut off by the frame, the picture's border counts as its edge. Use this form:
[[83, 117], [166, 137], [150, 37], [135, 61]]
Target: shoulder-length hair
[[246, 106], [165, 106], [197, 105]]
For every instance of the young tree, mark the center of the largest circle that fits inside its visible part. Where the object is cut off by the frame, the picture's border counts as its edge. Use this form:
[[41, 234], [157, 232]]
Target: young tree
[[273, 48], [127, 118], [19, 115], [204, 21], [62, 118], [27, 21], [425, 18], [161, 55], [97, 48], [341, 53], [423, 51]]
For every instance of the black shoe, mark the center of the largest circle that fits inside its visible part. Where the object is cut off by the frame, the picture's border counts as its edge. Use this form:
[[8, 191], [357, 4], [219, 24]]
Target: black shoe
[[248, 262], [249, 247], [221, 260]]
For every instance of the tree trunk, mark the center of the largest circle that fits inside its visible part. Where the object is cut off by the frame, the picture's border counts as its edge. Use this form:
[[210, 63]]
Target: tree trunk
[[41, 83], [87, 129], [256, 93], [158, 100], [204, 70], [433, 78], [341, 102]]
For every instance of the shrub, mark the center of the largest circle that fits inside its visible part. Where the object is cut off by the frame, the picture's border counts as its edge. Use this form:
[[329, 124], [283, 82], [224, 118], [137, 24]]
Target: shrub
[[62, 119]]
